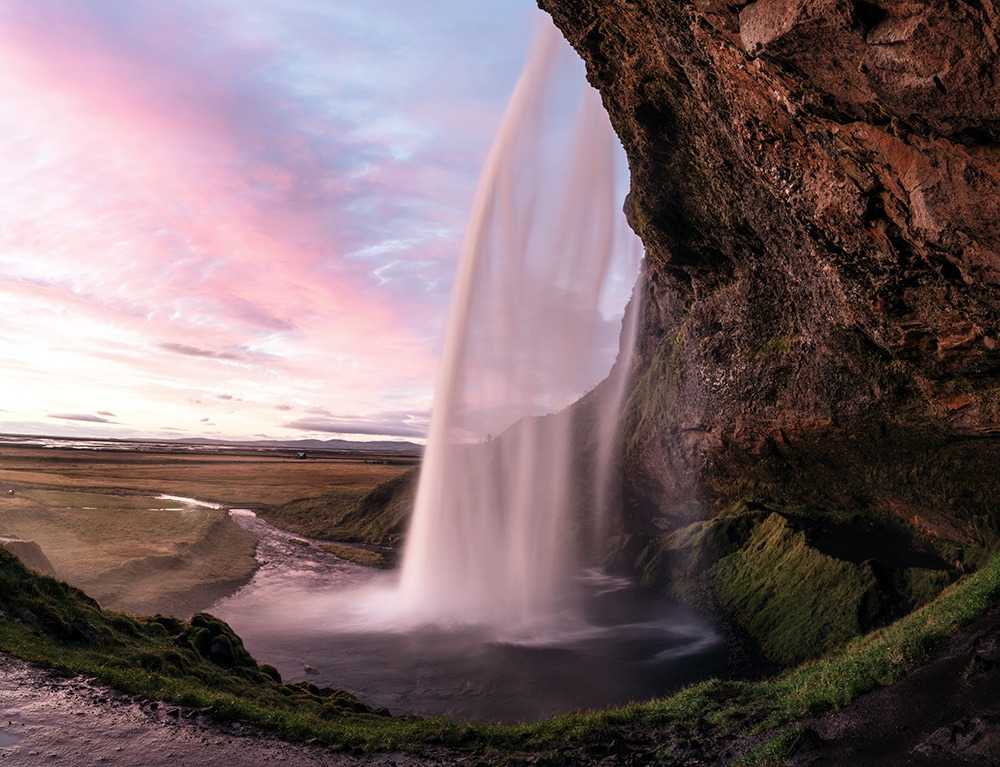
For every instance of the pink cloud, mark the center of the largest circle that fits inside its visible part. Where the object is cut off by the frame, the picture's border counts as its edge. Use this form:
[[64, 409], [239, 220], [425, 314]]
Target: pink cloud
[[189, 211]]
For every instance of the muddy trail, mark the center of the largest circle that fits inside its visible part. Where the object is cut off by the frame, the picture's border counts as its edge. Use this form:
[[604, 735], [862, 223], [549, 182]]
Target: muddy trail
[[50, 719]]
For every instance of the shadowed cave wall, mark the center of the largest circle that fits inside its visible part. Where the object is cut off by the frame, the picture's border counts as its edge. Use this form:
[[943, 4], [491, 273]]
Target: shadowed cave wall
[[815, 407], [816, 183]]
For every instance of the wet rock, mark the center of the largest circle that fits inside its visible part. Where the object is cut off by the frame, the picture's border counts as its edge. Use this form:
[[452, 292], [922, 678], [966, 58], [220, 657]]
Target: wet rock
[[975, 738], [806, 743], [82, 631]]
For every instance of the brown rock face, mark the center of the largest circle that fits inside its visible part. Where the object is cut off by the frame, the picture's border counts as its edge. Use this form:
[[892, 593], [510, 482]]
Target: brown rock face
[[817, 183]]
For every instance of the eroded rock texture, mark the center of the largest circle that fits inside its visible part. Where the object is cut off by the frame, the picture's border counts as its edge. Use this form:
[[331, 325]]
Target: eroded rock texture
[[817, 183]]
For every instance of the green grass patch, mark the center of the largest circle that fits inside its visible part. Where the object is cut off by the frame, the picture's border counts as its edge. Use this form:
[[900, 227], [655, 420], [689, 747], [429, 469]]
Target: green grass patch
[[377, 516], [105, 501], [202, 663]]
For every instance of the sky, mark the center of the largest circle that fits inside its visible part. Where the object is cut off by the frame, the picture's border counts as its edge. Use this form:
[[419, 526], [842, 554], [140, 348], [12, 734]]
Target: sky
[[238, 219]]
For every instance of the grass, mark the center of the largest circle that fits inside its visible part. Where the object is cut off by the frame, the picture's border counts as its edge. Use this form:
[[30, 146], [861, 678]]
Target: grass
[[94, 515], [143, 656], [234, 479], [377, 516]]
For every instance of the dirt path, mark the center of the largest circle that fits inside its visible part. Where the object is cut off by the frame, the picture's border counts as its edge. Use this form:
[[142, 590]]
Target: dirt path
[[945, 713], [47, 719]]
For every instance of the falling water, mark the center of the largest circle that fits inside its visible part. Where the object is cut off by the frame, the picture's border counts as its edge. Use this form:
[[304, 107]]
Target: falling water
[[499, 516], [497, 612]]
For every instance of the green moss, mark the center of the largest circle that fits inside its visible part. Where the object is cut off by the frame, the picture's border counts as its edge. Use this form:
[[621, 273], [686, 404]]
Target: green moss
[[769, 573], [796, 601], [377, 517], [146, 657], [652, 399], [678, 563], [777, 346]]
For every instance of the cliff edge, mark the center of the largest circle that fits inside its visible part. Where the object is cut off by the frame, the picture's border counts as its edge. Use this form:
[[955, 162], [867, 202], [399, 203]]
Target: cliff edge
[[817, 183]]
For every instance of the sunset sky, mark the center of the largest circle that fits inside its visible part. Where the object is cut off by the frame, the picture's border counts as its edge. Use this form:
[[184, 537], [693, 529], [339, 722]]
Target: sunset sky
[[238, 219]]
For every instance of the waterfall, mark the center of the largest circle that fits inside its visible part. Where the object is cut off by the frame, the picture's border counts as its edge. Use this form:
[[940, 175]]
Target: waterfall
[[518, 489], [512, 478]]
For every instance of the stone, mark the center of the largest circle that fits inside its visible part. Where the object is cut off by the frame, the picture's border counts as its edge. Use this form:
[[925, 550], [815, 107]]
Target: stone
[[82, 631]]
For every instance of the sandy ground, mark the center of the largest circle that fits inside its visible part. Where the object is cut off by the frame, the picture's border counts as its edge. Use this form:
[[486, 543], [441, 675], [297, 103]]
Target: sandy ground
[[49, 719]]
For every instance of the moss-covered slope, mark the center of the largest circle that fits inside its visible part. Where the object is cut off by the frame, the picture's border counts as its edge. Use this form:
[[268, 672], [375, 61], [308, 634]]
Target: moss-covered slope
[[378, 517], [799, 584]]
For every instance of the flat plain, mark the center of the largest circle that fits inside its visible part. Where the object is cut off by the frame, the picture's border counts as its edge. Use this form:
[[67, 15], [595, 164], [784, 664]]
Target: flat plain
[[96, 516]]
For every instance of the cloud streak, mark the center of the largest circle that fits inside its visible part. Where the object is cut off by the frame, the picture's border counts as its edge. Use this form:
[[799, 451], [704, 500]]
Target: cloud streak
[[224, 210], [388, 424], [194, 351], [87, 417]]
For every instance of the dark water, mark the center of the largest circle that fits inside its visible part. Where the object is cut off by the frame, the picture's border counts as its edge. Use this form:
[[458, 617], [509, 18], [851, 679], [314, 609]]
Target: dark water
[[317, 617]]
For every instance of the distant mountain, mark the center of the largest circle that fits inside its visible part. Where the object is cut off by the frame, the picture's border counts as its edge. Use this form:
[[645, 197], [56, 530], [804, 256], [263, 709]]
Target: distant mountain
[[378, 446]]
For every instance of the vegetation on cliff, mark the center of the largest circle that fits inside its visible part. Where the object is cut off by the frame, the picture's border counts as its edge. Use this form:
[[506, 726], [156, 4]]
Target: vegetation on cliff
[[202, 663]]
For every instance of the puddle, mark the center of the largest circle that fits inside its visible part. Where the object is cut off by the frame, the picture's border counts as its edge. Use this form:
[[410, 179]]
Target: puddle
[[7, 740]]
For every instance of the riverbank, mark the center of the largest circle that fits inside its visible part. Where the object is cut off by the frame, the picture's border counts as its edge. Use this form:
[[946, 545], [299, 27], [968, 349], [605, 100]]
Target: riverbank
[[116, 524], [713, 722], [132, 553]]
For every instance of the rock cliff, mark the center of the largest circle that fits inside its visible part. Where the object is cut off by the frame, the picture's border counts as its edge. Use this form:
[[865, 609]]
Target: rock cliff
[[817, 183]]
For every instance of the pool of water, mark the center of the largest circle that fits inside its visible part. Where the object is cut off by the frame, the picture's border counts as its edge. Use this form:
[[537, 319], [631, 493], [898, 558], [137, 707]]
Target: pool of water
[[315, 616]]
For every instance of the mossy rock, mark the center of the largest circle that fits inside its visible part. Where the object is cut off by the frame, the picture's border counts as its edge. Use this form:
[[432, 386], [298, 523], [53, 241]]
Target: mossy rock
[[795, 600], [763, 571], [215, 640], [270, 672]]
